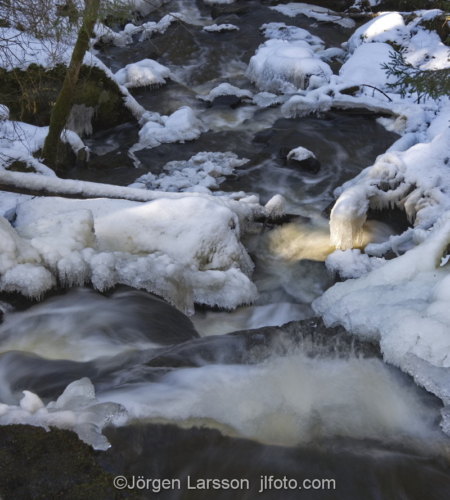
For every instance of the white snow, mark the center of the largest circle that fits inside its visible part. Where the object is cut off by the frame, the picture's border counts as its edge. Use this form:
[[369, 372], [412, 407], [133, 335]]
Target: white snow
[[280, 66], [364, 67], [387, 27], [276, 206], [182, 125], [351, 263], [300, 154], [142, 74], [217, 28], [18, 141]]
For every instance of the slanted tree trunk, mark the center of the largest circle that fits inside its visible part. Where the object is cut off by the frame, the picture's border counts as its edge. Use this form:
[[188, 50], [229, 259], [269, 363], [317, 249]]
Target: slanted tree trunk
[[61, 109]]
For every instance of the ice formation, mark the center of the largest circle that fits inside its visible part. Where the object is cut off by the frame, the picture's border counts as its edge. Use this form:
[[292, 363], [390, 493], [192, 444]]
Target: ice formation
[[404, 306], [280, 66], [202, 172], [351, 263], [145, 73], [76, 409], [415, 180], [182, 125], [133, 244]]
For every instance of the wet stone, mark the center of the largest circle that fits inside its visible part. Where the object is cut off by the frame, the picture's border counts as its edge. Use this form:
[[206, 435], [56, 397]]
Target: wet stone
[[232, 101], [310, 164]]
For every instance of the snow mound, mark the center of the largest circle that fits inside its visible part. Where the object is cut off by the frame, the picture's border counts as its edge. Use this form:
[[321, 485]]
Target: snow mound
[[387, 27], [276, 206], [225, 89], [76, 409], [204, 171], [142, 74], [280, 66], [182, 125], [364, 67], [351, 263], [185, 250]]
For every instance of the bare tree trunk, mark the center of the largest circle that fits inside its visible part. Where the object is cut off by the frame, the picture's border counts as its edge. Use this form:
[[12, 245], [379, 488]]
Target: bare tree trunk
[[63, 105]]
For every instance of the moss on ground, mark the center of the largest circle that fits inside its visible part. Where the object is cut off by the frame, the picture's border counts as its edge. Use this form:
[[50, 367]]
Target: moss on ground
[[38, 465]]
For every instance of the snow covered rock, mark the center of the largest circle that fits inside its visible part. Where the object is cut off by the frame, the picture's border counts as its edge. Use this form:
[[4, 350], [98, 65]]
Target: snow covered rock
[[304, 159], [280, 66], [182, 125], [145, 73]]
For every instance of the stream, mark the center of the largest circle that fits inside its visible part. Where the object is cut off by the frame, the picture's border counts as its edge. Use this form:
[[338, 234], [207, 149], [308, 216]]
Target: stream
[[233, 394]]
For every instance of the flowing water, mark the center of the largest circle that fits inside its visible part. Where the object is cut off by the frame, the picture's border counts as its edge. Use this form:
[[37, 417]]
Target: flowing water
[[299, 401]]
